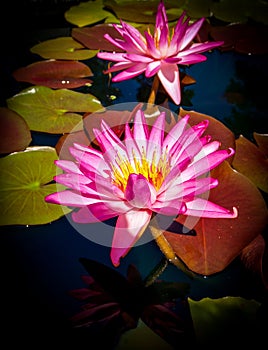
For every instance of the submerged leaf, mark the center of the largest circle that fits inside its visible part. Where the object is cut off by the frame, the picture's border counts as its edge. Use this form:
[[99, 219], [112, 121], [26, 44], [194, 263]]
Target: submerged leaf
[[53, 111], [15, 134], [63, 48], [225, 320], [55, 74], [25, 180]]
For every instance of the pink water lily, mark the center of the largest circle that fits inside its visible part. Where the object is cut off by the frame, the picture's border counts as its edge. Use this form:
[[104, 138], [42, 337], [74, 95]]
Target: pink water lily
[[147, 172], [160, 53]]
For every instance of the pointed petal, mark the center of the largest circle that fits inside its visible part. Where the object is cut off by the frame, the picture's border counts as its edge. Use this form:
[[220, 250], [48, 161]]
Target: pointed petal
[[205, 209], [205, 164], [128, 230], [133, 71], [169, 77], [155, 142], [68, 166], [94, 213], [190, 33]]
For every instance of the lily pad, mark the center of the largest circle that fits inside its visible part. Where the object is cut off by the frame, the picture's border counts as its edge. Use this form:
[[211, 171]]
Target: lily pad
[[56, 74], [225, 320], [15, 134], [52, 111], [251, 161], [262, 142], [63, 48], [216, 129], [86, 13], [217, 242], [93, 37], [240, 11], [25, 180], [143, 11]]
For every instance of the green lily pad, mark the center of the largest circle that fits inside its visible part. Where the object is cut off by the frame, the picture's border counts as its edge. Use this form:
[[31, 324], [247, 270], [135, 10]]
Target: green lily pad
[[143, 11], [25, 180], [86, 13], [197, 8], [225, 320], [52, 111], [15, 134], [240, 11], [63, 48]]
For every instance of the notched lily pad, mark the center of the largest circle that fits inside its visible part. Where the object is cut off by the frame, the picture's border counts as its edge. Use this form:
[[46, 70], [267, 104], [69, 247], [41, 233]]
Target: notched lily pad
[[15, 134], [53, 111], [25, 179], [63, 48], [56, 74], [225, 320], [251, 161]]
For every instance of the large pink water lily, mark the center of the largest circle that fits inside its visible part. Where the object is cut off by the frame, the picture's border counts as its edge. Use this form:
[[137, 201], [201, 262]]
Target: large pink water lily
[[147, 172], [160, 53]]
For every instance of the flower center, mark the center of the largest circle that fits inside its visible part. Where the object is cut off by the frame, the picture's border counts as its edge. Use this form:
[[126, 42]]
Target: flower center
[[155, 170]]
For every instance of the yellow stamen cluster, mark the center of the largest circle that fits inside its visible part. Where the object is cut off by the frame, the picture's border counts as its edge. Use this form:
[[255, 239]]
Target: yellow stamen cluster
[[154, 171]]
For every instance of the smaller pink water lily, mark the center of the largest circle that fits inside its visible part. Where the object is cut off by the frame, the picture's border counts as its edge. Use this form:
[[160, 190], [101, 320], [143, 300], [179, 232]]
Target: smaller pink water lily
[[147, 172], [160, 53]]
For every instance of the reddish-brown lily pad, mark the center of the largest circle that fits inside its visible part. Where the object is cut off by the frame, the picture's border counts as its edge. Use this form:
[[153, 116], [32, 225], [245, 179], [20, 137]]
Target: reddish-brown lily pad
[[241, 37], [216, 129], [254, 258], [251, 161], [93, 37], [56, 74], [15, 134], [219, 241]]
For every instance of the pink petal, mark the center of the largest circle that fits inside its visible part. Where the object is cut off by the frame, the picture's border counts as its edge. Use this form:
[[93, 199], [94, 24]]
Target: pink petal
[[133, 71], [74, 181], [190, 33], [187, 59], [152, 50], [94, 213], [68, 166], [152, 68], [69, 198], [137, 58], [155, 142], [171, 207], [140, 131], [179, 191], [176, 132], [200, 47], [169, 77], [114, 57], [128, 230], [202, 208], [205, 164], [139, 193]]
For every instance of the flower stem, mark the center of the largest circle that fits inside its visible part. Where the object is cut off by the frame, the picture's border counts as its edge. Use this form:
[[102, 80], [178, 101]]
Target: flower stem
[[156, 272], [154, 89], [167, 250]]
